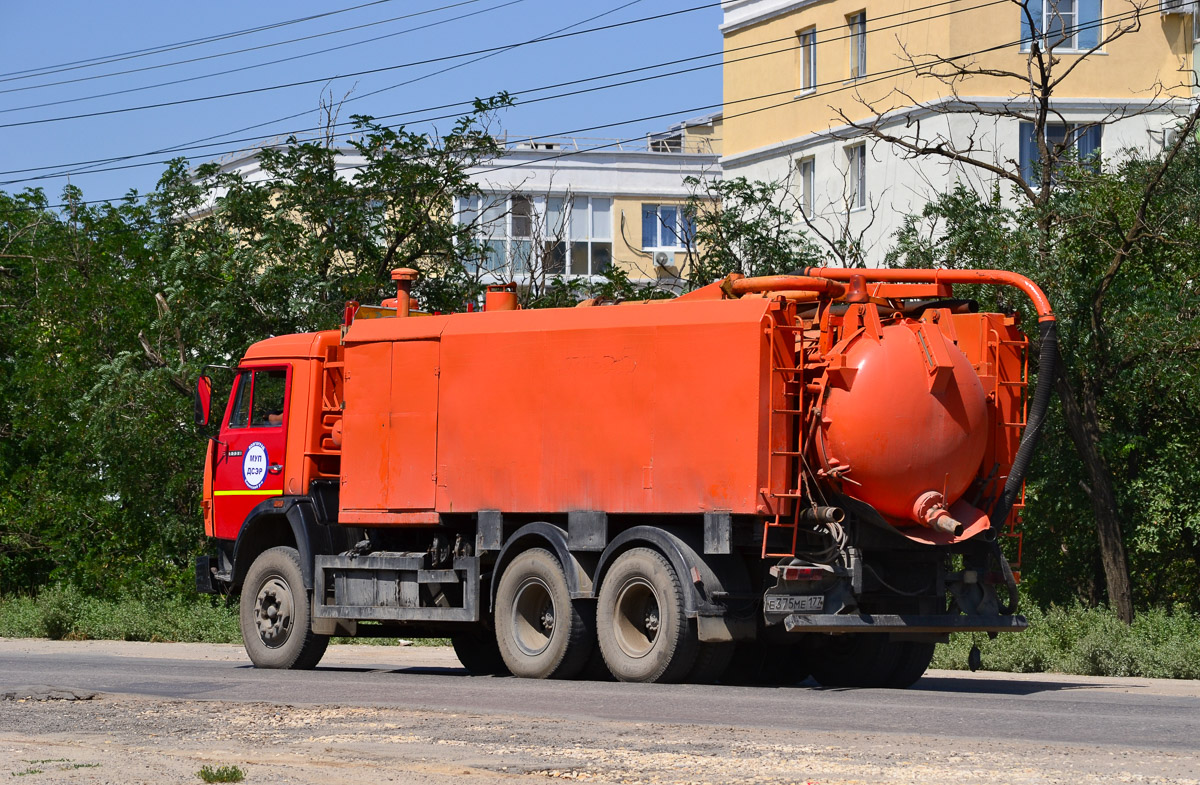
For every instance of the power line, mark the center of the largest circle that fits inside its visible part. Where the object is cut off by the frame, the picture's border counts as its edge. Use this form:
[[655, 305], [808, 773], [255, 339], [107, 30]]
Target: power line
[[251, 49], [177, 148], [427, 61], [90, 62], [522, 92], [839, 86]]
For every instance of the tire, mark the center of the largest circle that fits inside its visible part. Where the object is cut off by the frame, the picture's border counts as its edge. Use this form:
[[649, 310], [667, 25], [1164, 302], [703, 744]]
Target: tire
[[644, 633], [766, 664], [712, 660], [540, 630], [276, 615], [856, 660], [478, 652], [912, 663]]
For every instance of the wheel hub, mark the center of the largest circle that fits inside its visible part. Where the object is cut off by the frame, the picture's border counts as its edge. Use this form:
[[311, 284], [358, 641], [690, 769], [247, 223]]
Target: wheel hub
[[533, 617], [637, 621], [273, 612]]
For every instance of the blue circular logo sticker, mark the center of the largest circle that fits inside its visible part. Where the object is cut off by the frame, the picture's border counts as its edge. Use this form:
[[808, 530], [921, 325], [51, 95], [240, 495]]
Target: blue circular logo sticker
[[254, 465]]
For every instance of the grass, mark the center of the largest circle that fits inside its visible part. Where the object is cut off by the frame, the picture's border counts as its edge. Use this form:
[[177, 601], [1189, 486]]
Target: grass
[[221, 774], [1088, 642], [66, 613]]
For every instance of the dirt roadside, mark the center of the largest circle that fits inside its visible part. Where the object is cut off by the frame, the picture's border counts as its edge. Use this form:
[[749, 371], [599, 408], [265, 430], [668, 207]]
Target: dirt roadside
[[123, 739]]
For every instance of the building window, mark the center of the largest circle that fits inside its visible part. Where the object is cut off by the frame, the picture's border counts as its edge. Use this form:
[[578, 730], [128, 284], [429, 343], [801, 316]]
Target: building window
[[858, 44], [807, 50], [805, 170], [856, 173], [1060, 24], [1061, 140], [665, 226], [521, 235], [579, 240]]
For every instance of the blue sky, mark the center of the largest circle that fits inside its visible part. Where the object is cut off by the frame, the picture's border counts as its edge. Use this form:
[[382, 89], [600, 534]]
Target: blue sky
[[45, 36]]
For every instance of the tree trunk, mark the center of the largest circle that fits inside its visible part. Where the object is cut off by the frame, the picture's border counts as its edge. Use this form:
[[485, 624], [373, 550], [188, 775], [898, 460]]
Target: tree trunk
[[1083, 426]]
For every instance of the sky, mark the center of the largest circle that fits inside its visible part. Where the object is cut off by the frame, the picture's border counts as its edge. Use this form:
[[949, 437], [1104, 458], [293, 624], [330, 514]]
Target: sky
[[67, 42]]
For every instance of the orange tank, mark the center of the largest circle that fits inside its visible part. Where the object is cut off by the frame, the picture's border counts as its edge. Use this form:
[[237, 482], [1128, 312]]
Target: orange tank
[[905, 380]]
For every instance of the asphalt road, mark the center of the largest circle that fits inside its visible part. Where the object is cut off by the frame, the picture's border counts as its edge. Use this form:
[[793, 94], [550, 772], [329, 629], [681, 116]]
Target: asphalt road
[[1124, 713]]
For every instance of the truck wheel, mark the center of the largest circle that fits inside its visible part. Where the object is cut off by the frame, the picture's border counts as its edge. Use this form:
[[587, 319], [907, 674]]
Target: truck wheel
[[766, 664], [644, 634], [913, 661], [479, 653], [541, 633], [712, 660], [276, 618], [858, 660]]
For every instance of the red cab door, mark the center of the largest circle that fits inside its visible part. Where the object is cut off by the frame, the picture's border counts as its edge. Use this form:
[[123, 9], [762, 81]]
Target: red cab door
[[249, 459]]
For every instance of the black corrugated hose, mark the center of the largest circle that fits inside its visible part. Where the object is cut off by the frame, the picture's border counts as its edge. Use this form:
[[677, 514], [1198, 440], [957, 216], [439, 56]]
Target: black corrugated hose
[[1047, 367]]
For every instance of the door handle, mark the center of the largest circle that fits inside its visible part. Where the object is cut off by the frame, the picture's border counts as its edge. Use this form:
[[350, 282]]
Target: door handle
[[275, 468]]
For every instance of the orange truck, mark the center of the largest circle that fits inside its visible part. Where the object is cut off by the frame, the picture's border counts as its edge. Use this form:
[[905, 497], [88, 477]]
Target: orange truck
[[761, 480]]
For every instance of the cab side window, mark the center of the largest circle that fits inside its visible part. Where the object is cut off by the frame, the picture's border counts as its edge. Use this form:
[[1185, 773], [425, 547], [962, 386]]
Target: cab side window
[[240, 416], [269, 392]]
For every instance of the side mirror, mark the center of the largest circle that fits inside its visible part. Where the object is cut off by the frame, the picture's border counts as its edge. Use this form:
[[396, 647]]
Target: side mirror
[[202, 400]]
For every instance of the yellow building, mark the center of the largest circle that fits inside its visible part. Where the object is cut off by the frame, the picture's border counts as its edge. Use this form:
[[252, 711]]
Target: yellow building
[[804, 81]]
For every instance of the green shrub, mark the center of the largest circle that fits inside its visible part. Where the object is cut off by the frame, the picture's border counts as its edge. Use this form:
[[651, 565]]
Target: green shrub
[[1088, 642], [221, 774], [64, 612]]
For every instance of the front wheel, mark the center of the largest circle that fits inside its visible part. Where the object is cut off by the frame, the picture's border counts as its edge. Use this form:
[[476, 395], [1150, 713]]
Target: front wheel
[[275, 617], [644, 632]]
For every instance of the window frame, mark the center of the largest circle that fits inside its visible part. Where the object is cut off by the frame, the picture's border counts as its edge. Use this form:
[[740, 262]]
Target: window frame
[[857, 23], [251, 372], [553, 244], [1081, 135], [683, 231], [807, 52], [806, 170], [1086, 25], [856, 174]]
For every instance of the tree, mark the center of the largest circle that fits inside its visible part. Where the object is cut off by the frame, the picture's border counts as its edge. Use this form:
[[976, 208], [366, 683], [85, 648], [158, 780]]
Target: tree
[[746, 227], [1044, 187], [1125, 277], [110, 311]]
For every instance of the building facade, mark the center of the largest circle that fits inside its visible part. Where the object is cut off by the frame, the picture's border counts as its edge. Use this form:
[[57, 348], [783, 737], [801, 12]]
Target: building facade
[[575, 207], [812, 85]]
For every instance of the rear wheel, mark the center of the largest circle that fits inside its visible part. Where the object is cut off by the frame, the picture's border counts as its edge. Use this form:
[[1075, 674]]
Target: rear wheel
[[712, 660], [859, 660], [912, 663], [643, 631], [766, 664], [275, 617], [478, 652], [540, 630]]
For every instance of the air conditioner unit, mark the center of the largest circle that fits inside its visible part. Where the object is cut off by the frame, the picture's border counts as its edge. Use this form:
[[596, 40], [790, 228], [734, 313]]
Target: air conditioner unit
[[663, 259], [1176, 7]]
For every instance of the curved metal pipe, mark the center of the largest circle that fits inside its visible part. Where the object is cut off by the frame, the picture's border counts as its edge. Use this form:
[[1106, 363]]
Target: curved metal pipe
[[773, 283], [996, 277]]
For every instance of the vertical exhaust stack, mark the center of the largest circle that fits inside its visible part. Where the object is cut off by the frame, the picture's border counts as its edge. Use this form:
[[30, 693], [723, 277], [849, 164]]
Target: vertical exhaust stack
[[404, 277], [501, 297]]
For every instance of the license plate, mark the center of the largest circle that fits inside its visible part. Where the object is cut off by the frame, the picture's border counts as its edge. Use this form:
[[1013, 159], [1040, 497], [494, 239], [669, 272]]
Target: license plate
[[788, 603]]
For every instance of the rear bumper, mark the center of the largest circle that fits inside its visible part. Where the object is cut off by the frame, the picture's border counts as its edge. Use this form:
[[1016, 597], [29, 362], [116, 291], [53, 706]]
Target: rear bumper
[[863, 622]]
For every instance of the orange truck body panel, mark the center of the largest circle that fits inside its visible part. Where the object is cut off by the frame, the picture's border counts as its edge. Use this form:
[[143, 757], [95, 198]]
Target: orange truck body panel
[[638, 409]]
